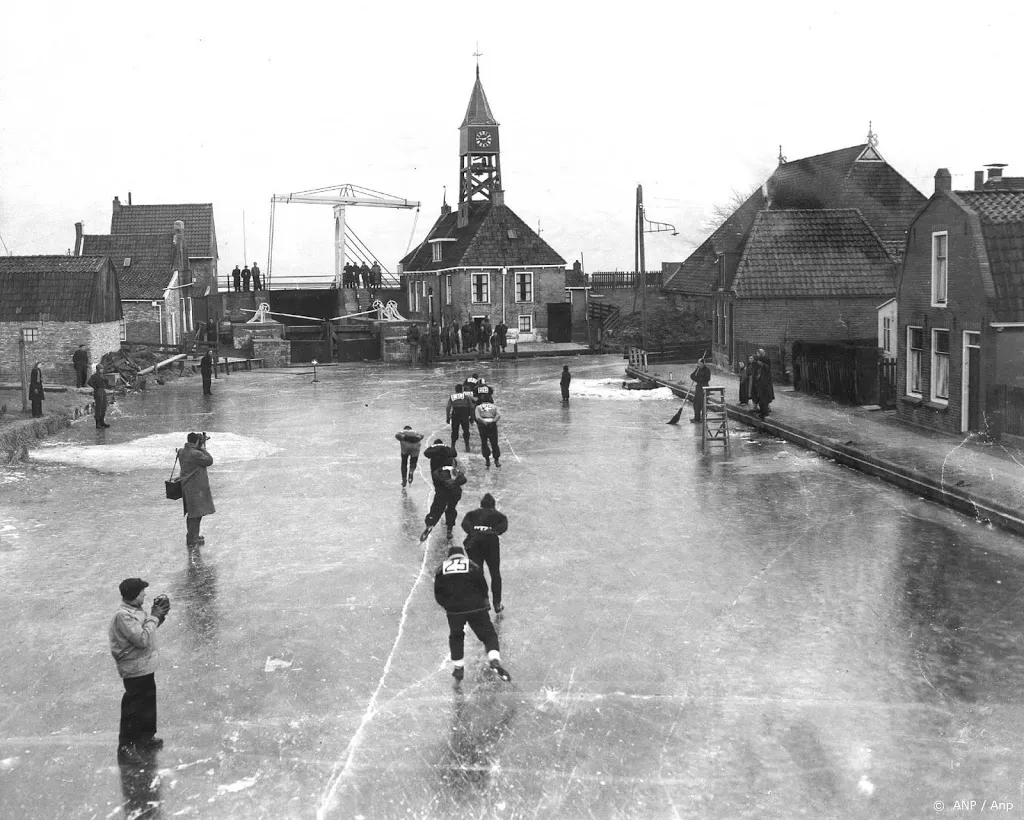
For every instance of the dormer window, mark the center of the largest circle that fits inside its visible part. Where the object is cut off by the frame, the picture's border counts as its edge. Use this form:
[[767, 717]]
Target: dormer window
[[127, 262], [435, 248]]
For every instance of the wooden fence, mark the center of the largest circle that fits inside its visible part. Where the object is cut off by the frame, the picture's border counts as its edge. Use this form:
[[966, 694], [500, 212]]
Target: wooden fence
[[1006, 405]]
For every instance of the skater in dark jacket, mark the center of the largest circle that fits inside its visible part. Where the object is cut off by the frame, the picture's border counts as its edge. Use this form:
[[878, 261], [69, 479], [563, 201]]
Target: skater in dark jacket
[[483, 527], [440, 455], [564, 383], [460, 588], [458, 413], [448, 483], [410, 446]]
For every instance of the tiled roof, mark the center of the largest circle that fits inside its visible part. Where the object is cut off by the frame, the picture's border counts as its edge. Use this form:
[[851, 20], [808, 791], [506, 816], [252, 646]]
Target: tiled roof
[[51, 288], [494, 237], [814, 253], [152, 261], [1001, 214], [158, 219], [575, 279], [478, 112]]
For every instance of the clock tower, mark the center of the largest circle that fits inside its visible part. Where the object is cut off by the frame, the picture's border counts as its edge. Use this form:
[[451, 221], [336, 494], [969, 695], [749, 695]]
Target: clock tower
[[479, 155]]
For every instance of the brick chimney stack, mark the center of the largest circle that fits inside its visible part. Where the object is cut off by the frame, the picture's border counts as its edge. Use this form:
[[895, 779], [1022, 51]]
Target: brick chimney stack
[[117, 203], [943, 181], [995, 172], [979, 180], [78, 238]]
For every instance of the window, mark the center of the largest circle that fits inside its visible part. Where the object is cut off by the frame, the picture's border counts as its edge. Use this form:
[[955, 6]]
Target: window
[[526, 324], [448, 289], [524, 287], [412, 295], [423, 286], [435, 249], [123, 329], [915, 346], [940, 267], [940, 365], [481, 288], [568, 296], [887, 335]]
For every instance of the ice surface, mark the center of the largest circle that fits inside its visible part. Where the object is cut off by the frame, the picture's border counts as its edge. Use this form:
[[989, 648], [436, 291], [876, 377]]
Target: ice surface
[[612, 390]]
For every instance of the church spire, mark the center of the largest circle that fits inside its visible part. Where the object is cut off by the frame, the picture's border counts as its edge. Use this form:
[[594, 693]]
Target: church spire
[[478, 112]]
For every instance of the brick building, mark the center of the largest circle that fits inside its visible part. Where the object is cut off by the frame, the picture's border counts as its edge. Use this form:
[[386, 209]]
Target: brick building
[[61, 302], [482, 260], [855, 178], [167, 265], [961, 306]]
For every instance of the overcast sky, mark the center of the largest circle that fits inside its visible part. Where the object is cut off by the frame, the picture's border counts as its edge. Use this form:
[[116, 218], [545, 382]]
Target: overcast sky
[[205, 102]]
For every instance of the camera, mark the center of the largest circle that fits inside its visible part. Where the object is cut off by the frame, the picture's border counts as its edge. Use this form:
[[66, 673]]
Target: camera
[[161, 599]]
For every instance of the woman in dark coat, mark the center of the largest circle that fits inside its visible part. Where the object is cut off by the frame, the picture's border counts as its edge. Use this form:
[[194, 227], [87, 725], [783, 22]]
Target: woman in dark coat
[[746, 376], [99, 397], [35, 391], [765, 392], [195, 486]]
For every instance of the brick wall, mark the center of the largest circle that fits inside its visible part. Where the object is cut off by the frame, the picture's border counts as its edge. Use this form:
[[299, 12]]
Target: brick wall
[[56, 345], [965, 310], [763, 322]]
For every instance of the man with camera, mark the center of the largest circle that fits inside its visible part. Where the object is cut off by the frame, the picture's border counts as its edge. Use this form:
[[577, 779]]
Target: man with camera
[[132, 636], [195, 486]]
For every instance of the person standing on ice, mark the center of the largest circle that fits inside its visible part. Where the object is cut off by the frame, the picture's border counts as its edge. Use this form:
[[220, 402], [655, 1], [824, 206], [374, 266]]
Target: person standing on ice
[[458, 413], [206, 369], [483, 527], [701, 376], [410, 451], [196, 497], [99, 397], [461, 590], [564, 383]]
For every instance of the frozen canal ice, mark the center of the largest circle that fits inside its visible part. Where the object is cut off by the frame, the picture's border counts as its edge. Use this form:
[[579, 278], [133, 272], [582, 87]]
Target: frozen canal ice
[[754, 634]]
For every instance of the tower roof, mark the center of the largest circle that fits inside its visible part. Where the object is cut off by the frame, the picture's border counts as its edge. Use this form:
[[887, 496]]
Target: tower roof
[[479, 110]]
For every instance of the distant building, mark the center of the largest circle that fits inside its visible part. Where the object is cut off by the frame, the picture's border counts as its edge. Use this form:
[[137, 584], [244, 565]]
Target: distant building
[[811, 297], [58, 303], [167, 264], [482, 260], [961, 309]]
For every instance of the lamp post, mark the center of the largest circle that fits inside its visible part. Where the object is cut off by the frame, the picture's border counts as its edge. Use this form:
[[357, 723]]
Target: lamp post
[[315, 363], [645, 225]]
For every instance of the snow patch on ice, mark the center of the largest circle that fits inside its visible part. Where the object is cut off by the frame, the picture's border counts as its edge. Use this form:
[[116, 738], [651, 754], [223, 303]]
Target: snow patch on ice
[[239, 785], [611, 389], [275, 664], [151, 452]]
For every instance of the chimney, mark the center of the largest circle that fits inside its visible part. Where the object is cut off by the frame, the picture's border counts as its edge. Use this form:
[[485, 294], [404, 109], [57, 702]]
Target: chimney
[[446, 209], [463, 215], [995, 172], [78, 238], [943, 181], [117, 203], [129, 199], [499, 197], [979, 180]]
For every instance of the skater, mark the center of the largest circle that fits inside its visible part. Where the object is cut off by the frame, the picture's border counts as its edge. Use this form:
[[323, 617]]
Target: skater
[[132, 636], [448, 483], [564, 383], [246, 277], [458, 413], [99, 397], [487, 417], [471, 384], [206, 369], [484, 392], [410, 450], [35, 390], [700, 376], [257, 283], [440, 455], [460, 588], [483, 527], [81, 363], [195, 485], [236, 278]]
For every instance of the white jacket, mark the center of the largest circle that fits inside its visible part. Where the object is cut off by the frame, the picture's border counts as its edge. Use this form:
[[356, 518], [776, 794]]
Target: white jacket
[[133, 641]]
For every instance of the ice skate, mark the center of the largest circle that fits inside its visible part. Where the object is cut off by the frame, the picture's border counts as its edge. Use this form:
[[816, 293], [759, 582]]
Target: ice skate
[[500, 671], [459, 672], [425, 534]]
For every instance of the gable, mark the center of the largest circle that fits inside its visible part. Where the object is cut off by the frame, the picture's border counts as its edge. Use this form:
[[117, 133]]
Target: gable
[[58, 289], [158, 219]]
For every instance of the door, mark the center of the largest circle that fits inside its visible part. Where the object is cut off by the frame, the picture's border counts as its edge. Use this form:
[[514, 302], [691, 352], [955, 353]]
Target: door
[[559, 322], [971, 414]]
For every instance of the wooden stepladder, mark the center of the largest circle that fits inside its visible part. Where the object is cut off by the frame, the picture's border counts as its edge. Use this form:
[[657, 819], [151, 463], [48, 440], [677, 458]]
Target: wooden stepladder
[[716, 418]]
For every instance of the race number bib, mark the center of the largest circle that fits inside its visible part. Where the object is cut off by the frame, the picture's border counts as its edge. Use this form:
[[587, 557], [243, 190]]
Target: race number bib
[[457, 564]]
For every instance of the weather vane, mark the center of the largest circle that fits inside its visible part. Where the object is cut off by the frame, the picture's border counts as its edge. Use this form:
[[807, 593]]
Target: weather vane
[[782, 159], [478, 54], [872, 136]]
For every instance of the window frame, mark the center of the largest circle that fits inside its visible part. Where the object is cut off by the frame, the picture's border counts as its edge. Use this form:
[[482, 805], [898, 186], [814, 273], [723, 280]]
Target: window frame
[[935, 363], [915, 362], [528, 317], [521, 278], [122, 329], [485, 280], [436, 251], [940, 272], [448, 289]]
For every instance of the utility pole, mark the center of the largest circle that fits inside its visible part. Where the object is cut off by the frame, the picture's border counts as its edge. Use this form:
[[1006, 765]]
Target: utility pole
[[639, 266]]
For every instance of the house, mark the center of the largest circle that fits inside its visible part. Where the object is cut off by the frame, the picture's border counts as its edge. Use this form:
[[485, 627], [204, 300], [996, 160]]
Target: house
[[806, 275], [482, 260], [855, 178], [961, 308], [167, 263], [57, 303]]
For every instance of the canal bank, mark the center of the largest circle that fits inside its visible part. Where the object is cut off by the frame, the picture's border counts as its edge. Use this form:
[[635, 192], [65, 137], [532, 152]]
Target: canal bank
[[982, 479]]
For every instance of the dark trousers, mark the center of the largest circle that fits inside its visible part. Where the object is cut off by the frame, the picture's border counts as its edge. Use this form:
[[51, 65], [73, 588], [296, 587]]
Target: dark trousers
[[207, 384], [192, 529], [489, 440], [565, 392], [479, 622], [99, 408], [138, 710], [444, 502], [698, 403], [238, 285], [489, 554], [37, 406], [409, 461], [81, 376], [460, 422]]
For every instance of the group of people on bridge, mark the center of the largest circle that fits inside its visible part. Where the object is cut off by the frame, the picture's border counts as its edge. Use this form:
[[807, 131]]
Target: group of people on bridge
[[240, 278], [355, 276]]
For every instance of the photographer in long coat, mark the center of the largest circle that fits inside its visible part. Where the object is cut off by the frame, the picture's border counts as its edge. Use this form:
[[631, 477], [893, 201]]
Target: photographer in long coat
[[195, 486]]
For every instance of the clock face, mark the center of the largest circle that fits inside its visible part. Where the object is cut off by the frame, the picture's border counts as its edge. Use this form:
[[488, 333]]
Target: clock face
[[483, 139]]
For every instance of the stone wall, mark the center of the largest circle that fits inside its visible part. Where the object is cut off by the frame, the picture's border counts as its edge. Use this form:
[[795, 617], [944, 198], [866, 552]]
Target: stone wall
[[56, 345], [274, 352], [142, 322]]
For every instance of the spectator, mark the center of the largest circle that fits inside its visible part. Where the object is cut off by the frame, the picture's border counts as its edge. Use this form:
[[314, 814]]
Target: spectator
[[80, 360], [197, 498], [257, 282], [35, 390], [246, 276], [99, 397]]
